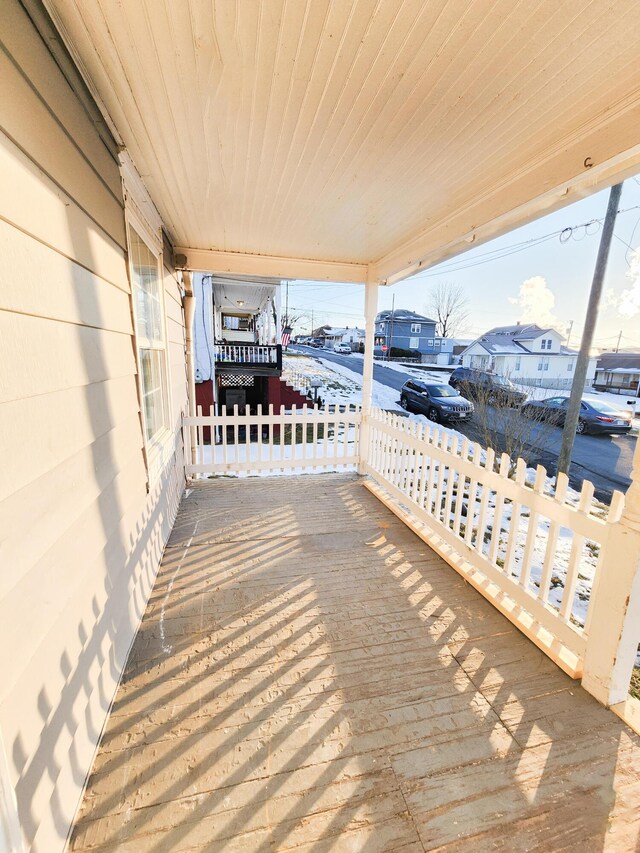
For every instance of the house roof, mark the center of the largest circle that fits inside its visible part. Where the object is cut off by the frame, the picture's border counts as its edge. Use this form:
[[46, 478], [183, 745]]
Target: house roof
[[521, 332], [615, 360], [511, 340], [402, 314], [324, 140]]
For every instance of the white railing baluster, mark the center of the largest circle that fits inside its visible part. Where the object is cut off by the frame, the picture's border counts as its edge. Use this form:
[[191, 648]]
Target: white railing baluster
[[514, 526], [494, 545], [282, 423], [426, 461], [473, 489], [270, 450], [443, 443], [225, 450], [453, 450], [200, 438], [460, 487], [489, 462], [562, 484], [571, 580], [532, 530]]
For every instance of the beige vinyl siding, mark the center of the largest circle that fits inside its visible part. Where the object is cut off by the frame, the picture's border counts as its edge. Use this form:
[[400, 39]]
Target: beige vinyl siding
[[81, 532]]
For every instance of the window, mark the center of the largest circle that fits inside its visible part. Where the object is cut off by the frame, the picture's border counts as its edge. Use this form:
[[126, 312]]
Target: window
[[150, 338], [543, 364], [430, 343], [414, 343], [570, 365], [518, 362], [416, 328]]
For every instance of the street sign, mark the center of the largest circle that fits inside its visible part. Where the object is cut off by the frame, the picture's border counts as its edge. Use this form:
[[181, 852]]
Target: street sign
[[384, 347]]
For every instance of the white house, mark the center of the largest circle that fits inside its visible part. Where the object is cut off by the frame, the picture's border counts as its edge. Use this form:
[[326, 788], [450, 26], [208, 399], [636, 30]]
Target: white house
[[344, 336], [526, 354]]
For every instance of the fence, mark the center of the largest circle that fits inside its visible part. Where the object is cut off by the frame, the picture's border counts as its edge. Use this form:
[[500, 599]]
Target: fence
[[300, 440], [532, 553]]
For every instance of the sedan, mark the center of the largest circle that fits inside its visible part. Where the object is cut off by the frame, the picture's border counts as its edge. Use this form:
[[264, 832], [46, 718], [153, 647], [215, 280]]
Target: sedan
[[437, 402], [594, 417]]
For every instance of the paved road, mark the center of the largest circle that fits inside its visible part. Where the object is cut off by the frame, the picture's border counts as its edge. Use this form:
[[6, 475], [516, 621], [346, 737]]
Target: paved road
[[603, 459]]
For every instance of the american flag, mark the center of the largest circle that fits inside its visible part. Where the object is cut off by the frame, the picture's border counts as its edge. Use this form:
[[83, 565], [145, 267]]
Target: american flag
[[286, 336]]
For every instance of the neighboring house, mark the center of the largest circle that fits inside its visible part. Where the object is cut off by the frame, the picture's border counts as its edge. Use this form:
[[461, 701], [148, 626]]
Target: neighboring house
[[349, 336], [406, 330], [237, 341], [618, 373], [528, 355]]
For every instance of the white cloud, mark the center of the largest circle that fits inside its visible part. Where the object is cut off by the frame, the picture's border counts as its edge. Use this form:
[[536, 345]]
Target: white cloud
[[628, 304], [537, 302]]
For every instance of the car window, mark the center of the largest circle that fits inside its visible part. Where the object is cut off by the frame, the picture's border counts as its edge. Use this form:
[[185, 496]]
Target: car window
[[442, 391], [554, 401]]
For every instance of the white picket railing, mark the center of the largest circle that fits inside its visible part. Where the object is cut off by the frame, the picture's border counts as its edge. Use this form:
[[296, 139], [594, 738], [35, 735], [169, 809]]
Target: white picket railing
[[246, 353], [529, 549], [506, 535], [300, 440]]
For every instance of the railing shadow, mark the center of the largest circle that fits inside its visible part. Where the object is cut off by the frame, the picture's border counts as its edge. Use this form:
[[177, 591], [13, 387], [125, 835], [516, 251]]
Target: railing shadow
[[349, 691]]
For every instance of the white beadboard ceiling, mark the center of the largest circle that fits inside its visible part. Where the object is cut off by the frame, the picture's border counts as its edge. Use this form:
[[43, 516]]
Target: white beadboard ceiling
[[383, 134]]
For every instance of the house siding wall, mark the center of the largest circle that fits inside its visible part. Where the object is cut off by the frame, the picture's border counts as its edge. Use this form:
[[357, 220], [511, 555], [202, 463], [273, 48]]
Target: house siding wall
[[81, 534]]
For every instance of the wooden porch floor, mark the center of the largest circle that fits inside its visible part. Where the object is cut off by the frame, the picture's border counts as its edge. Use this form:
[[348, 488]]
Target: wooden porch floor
[[310, 676]]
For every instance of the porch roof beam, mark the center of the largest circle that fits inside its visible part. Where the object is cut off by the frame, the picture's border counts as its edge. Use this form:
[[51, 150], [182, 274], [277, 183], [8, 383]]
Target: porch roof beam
[[238, 263], [517, 202]]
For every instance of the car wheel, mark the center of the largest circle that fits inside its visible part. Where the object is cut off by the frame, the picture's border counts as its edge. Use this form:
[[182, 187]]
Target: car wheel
[[432, 414], [581, 427], [404, 403]]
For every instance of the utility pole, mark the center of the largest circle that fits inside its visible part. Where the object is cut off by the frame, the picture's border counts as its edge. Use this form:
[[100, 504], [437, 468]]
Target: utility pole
[[312, 322], [569, 334], [393, 311], [582, 362], [619, 339]]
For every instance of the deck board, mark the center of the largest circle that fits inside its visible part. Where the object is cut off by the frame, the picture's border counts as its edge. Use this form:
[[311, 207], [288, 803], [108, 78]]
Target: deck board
[[310, 676]]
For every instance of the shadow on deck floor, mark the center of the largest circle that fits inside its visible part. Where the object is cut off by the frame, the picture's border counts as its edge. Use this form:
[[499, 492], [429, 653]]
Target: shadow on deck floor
[[309, 675]]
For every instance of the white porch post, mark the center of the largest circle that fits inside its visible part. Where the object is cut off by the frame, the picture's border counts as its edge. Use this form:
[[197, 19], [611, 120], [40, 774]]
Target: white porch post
[[614, 622], [279, 314], [370, 311]]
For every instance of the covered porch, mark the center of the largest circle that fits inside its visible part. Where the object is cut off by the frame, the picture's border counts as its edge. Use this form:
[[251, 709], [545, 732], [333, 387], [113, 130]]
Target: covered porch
[[310, 675]]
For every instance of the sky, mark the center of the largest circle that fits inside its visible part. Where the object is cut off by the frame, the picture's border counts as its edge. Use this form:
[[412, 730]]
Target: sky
[[532, 274]]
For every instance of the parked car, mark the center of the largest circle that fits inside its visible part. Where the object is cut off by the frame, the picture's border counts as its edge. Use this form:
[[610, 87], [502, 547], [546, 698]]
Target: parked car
[[437, 402], [318, 343], [345, 349], [491, 388], [595, 417]]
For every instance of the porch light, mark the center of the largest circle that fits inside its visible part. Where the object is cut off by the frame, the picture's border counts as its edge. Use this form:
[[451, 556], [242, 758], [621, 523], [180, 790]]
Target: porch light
[[240, 303]]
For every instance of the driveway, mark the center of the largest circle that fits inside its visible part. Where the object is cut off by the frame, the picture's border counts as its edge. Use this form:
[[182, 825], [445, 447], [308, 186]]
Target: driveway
[[603, 459]]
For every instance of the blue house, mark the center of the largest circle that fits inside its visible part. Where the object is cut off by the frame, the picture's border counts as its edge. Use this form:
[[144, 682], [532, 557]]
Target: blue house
[[410, 332]]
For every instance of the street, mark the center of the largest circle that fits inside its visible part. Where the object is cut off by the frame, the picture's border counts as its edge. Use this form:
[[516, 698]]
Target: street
[[604, 459]]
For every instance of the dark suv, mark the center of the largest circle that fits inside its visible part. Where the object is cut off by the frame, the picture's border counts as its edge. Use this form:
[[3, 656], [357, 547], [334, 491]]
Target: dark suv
[[437, 402], [489, 387]]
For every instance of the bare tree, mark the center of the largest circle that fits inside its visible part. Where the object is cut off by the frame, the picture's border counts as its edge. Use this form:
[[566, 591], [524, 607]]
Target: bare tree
[[449, 304]]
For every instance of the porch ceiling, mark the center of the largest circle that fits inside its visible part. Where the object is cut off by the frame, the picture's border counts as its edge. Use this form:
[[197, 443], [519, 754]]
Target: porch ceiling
[[374, 135]]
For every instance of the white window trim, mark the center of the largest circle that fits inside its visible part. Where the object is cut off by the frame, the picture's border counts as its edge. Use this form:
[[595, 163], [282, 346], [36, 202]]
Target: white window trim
[[414, 343], [141, 215], [416, 328]]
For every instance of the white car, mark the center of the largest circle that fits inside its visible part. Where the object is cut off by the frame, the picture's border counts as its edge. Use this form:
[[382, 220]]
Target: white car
[[345, 349]]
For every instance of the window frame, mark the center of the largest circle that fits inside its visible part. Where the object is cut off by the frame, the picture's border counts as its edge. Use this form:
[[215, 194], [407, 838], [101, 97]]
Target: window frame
[[413, 345], [416, 328], [157, 448]]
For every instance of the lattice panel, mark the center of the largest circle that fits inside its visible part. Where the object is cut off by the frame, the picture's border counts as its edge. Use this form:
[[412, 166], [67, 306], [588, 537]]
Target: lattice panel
[[236, 380]]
